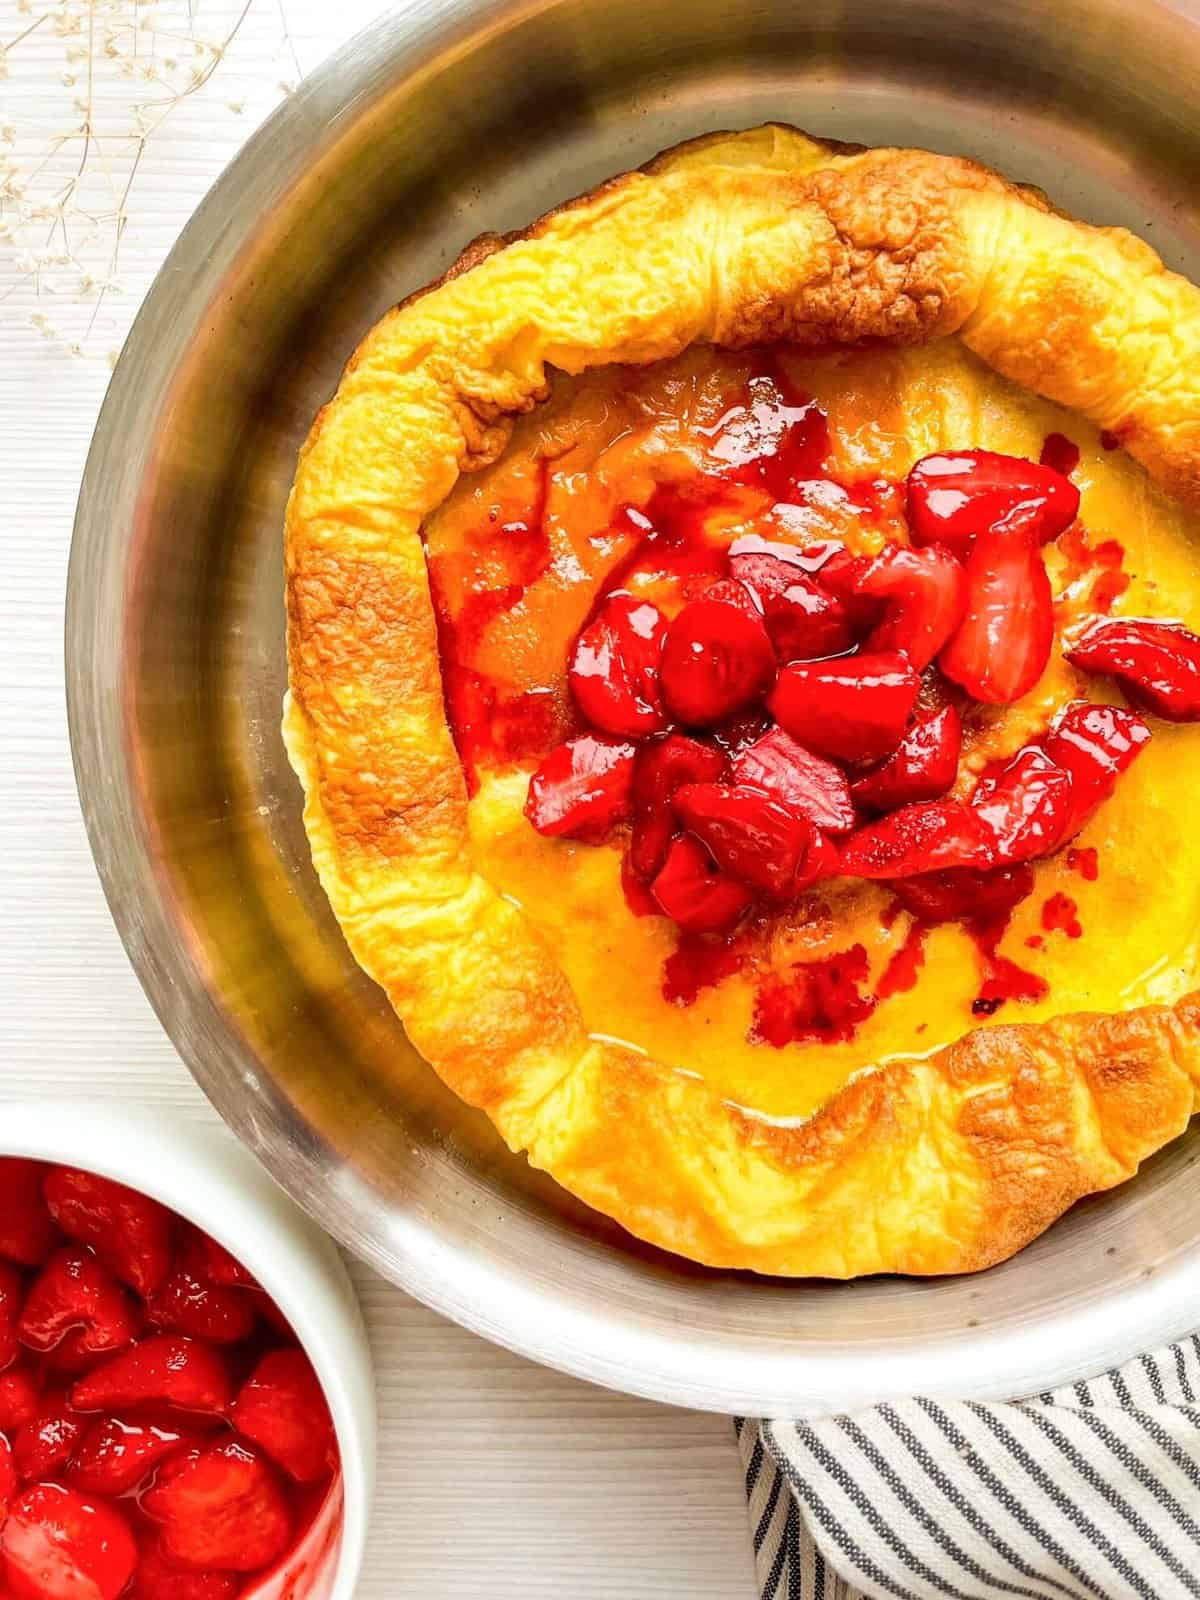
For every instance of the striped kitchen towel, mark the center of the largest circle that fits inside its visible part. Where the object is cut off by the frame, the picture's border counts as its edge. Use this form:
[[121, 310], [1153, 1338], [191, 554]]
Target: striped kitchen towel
[[1090, 1492]]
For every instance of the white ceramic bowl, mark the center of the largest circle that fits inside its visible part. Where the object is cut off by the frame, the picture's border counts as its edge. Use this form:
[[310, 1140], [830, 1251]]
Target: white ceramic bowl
[[205, 1176]]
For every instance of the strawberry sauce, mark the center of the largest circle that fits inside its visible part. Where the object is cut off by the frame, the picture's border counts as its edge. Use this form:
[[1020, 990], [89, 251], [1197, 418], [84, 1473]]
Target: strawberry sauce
[[1060, 914], [160, 1428], [821, 1000]]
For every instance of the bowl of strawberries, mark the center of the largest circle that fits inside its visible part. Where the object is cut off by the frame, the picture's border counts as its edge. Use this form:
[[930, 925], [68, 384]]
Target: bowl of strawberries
[[186, 1407]]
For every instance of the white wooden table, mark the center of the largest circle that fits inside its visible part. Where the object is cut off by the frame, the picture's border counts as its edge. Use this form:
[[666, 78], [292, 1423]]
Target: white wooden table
[[496, 1476]]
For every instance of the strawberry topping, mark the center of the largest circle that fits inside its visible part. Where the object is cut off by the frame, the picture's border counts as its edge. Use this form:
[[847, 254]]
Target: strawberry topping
[[922, 767], [1095, 744], [1026, 807], [930, 837], [220, 1508], [717, 660], [926, 597], [693, 891], [27, 1234], [58, 1545], [797, 778], [582, 788], [771, 847], [1001, 648], [165, 1369], [78, 1310], [854, 709], [613, 670], [128, 1231], [282, 1410], [954, 497], [1157, 664]]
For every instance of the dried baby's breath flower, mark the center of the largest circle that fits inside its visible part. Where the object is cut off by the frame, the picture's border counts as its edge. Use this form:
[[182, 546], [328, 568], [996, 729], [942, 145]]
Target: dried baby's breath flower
[[67, 198]]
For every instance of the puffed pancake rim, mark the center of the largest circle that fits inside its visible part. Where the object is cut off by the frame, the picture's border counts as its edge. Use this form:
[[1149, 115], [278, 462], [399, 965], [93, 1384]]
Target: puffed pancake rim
[[943, 1164]]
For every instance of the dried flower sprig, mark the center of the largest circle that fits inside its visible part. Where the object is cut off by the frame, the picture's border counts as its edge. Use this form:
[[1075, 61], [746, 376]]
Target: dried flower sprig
[[70, 158]]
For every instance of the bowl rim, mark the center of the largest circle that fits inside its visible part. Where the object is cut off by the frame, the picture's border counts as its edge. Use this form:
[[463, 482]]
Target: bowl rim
[[494, 1301], [208, 1164]]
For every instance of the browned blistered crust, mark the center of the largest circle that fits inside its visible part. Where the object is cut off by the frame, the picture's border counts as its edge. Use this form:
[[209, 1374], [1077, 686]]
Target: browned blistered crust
[[942, 1165]]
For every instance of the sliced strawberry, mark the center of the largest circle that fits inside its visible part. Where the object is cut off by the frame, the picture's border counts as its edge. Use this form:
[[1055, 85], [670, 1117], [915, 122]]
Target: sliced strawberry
[[797, 778], [45, 1444], [855, 709], [693, 891], [964, 894], [717, 660], [649, 840], [767, 845], [926, 597], [27, 1235], [12, 1295], [8, 1476], [930, 837], [57, 1545], [1157, 664], [954, 497], [1095, 744], [283, 1410], [76, 1308], [114, 1455], [128, 1231], [922, 767], [664, 765], [583, 788], [613, 671], [166, 1369], [159, 1579], [20, 1397], [220, 1508], [186, 1304], [1003, 644], [206, 1259], [1025, 807], [842, 576], [804, 620]]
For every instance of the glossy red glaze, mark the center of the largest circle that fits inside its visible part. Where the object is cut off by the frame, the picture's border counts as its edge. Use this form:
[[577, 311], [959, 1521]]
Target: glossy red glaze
[[853, 709], [1157, 664], [60, 1545], [76, 1308], [774, 439], [128, 1231], [804, 620], [1003, 644]]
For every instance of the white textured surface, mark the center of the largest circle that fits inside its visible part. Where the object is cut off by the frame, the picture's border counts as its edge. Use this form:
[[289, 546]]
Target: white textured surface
[[496, 1477]]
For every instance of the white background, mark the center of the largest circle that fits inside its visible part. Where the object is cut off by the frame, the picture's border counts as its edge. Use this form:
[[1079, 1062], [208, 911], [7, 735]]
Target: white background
[[496, 1478]]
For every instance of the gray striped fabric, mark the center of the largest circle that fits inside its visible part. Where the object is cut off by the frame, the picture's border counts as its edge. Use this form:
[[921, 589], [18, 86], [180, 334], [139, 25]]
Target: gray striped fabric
[[1089, 1493]]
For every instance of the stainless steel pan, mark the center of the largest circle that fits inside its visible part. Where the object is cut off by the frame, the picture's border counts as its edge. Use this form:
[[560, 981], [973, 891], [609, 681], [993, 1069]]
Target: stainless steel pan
[[439, 122]]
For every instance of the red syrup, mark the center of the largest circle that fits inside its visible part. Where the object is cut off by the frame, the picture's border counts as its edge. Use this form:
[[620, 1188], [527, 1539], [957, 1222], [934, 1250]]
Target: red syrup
[[774, 439], [1060, 915], [1085, 861], [1060, 453], [820, 1000], [1109, 440], [700, 961], [905, 965], [1093, 578]]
